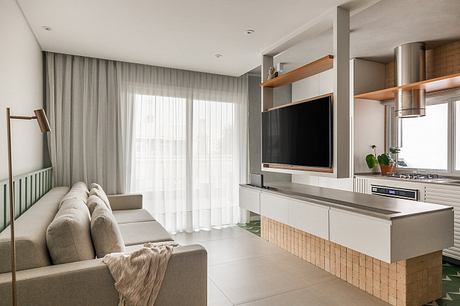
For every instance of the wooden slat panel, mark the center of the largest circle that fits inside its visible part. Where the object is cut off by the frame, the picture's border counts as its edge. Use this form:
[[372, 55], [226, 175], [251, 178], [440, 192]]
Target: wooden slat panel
[[28, 188]]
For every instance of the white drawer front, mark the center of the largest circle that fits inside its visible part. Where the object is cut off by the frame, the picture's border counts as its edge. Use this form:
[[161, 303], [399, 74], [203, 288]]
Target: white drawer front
[[274, 207], [250, 199], [310, 218], [361, 233]]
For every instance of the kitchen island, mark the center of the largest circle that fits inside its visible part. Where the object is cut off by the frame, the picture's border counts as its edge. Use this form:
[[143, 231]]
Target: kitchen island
[[390, 248]]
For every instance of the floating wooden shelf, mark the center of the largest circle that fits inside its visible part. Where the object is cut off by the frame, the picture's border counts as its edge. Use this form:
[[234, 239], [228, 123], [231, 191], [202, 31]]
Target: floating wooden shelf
[[310, 69], [433, 85], [299, 168]]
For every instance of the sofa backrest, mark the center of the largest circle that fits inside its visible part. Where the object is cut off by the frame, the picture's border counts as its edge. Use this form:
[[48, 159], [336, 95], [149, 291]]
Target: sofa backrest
[[30, 230]]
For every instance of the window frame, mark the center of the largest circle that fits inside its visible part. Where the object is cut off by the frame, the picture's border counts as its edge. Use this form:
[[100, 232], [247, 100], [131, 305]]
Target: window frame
[[393, 131]]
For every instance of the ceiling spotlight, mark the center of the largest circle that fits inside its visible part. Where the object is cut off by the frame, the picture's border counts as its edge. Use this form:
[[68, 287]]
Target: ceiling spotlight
[[46, 28], [218, 55], [249, 32]]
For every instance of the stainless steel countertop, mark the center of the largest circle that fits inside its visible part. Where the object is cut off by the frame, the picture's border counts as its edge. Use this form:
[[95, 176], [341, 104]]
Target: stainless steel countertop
[[366, 204]]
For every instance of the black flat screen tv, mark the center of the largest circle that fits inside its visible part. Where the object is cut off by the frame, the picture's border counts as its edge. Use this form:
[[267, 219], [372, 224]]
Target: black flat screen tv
[[299, 134]]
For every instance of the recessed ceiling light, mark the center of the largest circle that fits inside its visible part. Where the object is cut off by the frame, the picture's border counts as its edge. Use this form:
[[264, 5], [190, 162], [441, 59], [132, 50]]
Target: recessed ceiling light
[[218, 55], [249, 32], [46, 28]]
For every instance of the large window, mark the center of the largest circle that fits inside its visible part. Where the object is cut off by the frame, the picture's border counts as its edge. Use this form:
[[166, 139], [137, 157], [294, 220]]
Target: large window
[[424, 140]]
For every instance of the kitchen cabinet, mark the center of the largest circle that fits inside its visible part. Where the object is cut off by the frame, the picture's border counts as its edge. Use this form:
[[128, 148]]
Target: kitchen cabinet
[[274, 207], [365, 234], [303, 215], [250, 199], [309, 217], [428, 192]]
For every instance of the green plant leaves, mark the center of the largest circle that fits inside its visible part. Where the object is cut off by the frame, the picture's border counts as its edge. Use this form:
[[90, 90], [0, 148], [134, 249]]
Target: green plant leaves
[[384, 159], [371, 161]]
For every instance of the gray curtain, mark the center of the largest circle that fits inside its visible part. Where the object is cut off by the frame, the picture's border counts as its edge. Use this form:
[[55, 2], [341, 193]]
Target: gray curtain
[[82, 103]]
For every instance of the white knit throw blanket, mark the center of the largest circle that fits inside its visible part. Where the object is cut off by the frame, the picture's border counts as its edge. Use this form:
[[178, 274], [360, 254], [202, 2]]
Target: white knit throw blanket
[[138, 276]]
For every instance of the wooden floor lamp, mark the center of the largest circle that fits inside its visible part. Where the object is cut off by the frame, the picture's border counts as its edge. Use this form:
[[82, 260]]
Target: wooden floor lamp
[[44, 127]]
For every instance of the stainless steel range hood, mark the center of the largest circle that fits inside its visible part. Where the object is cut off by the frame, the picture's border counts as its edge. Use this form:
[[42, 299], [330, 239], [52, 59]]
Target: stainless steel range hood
[[410, 68]]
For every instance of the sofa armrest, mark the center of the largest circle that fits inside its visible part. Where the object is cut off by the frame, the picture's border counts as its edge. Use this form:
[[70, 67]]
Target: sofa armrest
[[89, 282], [125, 201]]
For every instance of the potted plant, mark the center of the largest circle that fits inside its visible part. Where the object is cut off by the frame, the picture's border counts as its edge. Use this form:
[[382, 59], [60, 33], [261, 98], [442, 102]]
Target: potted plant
[[386, 161]]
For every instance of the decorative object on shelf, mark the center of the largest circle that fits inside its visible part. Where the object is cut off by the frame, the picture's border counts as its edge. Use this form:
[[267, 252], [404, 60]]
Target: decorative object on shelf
[[280, 67], [288, 77], [44, 127], [371, 159], [272, 73], [386, 161]]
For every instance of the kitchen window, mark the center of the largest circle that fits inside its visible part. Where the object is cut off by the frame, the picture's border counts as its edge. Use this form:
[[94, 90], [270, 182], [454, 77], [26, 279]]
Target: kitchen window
[[430, 143], [424, 140]]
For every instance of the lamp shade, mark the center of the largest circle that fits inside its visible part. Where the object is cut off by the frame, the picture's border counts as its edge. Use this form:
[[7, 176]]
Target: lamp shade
[[42, 120]]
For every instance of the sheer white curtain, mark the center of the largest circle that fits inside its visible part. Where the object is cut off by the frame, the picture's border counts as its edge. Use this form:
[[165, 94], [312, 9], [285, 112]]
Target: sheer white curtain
[[188, 144], [179, 137]]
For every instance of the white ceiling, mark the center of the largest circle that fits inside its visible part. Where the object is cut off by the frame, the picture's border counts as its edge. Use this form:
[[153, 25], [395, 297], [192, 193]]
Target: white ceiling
[[183, 34], [389, 23], [186, 34], [376, 31]]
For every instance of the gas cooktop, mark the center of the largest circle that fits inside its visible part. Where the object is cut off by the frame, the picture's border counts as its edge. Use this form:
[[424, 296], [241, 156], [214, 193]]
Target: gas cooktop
[[414, 176]]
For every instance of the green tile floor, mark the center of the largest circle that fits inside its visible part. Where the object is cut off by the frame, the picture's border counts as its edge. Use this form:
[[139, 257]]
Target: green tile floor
[[253, 227], [450, 274]]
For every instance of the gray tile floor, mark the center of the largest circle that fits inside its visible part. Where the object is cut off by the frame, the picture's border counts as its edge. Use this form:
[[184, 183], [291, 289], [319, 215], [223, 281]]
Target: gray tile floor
[[244, 269]]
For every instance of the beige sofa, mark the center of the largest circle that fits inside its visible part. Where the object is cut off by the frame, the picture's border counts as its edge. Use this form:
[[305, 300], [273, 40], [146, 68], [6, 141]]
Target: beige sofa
[[89, 282]]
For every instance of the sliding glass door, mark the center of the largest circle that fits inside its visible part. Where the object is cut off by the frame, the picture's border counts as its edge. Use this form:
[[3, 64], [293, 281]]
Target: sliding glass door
[[215, 163], [186, 160]]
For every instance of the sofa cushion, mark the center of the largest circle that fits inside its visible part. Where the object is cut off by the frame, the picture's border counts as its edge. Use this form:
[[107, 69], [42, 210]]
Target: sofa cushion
[[30, 229], [81, 186], [132, 215], [79, 191], [93, 202], [105, 232], [142, 232], [97, 186], [102, 195], [68, 236]]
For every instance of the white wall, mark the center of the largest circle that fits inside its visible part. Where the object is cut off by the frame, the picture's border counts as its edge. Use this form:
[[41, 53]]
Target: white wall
[[369, 129], [369, 116], [21, 88]]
